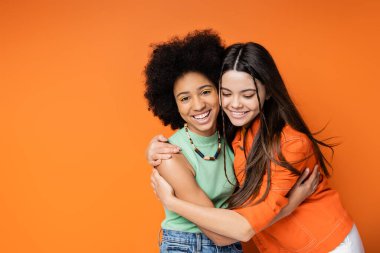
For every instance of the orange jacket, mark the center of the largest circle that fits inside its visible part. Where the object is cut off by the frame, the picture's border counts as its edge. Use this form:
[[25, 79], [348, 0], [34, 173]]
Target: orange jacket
[[319, 224]]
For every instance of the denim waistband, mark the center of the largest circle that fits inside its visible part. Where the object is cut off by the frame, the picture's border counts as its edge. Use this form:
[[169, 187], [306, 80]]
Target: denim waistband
[[185, 237]]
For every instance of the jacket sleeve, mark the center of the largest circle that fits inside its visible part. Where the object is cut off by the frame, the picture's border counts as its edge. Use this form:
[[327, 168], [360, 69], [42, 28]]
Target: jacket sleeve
[[298, 152]]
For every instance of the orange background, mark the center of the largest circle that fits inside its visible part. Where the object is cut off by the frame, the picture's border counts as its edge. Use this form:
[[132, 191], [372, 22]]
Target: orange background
[[74, 123]]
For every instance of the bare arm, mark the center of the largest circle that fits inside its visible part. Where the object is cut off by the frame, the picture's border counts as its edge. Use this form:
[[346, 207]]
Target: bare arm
[[220, 221], [180, 175], [228, 222]]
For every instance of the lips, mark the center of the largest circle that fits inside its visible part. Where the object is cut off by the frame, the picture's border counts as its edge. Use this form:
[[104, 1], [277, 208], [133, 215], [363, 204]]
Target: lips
[[202, 117], [238, 115]]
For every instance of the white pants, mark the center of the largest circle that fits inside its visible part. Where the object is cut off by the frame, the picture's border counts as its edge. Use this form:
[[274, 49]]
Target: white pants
[[351, 244]]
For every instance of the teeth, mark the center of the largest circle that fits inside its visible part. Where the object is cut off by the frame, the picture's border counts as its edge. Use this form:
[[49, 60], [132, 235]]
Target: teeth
[[202, 116], [238, 113]]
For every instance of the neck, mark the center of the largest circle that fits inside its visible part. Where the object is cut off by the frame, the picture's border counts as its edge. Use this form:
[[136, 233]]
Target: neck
[[205, 133]]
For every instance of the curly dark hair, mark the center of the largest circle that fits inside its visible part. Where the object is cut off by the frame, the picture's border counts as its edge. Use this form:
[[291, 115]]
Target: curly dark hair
[[200, 51]]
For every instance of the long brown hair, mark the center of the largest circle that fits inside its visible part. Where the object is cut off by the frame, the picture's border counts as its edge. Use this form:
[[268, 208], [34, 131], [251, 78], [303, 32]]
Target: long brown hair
[[276, 112]]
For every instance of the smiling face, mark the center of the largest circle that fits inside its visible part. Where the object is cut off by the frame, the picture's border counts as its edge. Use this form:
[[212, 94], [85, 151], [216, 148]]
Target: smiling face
[[239, 97], [197, 102]]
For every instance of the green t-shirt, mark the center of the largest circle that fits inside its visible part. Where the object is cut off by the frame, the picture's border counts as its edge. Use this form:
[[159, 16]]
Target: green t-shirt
[[209, 175]]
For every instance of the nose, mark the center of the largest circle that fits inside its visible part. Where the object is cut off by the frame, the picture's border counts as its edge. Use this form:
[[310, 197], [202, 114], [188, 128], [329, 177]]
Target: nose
[[235, 103], [198, 104]]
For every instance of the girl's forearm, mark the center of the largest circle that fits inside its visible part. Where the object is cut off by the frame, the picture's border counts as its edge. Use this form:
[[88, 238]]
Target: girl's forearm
[[287, 210], [221, 221], [219, 240]]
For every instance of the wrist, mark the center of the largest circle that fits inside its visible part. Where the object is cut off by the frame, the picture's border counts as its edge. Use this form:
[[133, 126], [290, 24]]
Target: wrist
[[170, 203]]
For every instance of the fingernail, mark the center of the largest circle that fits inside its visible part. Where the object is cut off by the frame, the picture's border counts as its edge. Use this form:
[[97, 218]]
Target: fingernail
[[307, 170]]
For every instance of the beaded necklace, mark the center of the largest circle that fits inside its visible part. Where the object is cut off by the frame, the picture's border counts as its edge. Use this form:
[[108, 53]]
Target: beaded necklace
[[208, 158]]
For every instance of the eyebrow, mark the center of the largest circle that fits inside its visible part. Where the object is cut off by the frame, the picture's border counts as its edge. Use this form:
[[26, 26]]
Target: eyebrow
[[240, 91], [187, 92]]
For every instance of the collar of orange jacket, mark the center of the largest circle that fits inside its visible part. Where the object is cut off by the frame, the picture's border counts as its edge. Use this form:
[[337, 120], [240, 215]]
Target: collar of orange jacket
[[247, 134]]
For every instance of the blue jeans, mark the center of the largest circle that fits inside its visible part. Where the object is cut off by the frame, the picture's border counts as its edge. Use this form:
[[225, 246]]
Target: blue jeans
[[180, 242]]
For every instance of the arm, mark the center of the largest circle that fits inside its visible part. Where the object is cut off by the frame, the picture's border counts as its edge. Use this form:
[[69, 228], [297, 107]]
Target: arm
[[304, 187], [220, 221], [228, 222], [241, 224], [297, 149], [179, 173]]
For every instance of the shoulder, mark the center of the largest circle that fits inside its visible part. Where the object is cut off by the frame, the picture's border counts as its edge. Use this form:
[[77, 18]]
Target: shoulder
[[179, 138], [175, 166], [178, 173], [295, 143], [288, 134]]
